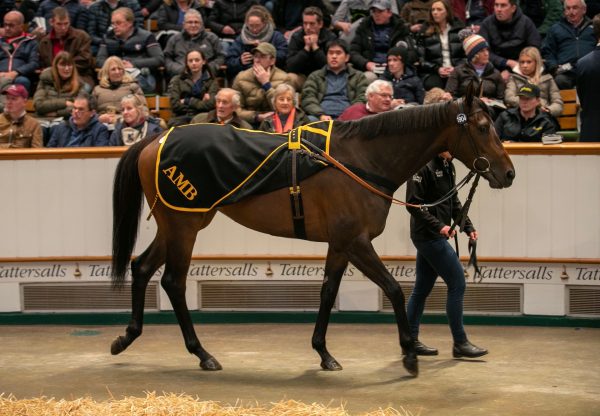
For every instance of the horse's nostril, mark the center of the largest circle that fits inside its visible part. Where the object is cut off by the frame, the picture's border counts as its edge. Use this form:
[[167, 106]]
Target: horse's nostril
[[510, 174]]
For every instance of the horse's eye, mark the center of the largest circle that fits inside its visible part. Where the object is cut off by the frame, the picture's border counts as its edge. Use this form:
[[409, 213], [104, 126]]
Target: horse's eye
[[484, 128]]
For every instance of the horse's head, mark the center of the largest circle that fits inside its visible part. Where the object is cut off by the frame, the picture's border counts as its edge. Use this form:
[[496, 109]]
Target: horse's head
[[476, 143]]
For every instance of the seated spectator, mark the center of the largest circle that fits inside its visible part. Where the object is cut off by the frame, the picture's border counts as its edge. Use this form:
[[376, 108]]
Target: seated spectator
[[258, 83], [416, 13], [227, 102], [479, 71], [527, 123], [82, 129], [288, 14], [77, 15], [408, 87], [171, 15], [507, 32], [258, 27], [543, 13], [138, 48], [63, 37], [350, 13], [529, 71], [439, 45], [436, 95], [375, 36], [328, 91], [472, 13], [287, 115], [567, 41], [193, 36], [379, 99], [193, 91], [227, 17], [148, 7], [17, 128], [588, 90], [306, 49], [57, 88], [99, 18], [135, 123], [18, 52], [114, 84]]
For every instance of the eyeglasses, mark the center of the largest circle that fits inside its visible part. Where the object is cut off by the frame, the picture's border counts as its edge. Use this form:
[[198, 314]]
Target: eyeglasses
[[193, 22], [383, 95]]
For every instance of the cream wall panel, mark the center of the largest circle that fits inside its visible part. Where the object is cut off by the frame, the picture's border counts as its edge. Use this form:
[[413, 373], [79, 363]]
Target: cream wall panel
[[8, 209], [564, 176], [51, 209], [537, 218], [27, 205], [586, 208]]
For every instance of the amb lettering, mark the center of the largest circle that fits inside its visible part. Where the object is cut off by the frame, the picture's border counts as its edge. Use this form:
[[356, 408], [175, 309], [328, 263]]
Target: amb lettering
[[179, 180]]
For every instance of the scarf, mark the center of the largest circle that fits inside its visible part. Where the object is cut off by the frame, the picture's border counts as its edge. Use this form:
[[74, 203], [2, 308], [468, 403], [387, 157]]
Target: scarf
[[265, 35], [289, 123]]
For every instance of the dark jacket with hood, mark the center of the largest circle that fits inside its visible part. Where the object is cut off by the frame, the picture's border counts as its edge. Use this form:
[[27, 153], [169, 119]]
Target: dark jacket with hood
[[94, 134], [566, 44], [228, 13], [510, 125], [491, 83], [409, 87]]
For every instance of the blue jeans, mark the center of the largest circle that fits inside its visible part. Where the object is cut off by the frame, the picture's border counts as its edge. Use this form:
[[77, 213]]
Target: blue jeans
[[438, 258]]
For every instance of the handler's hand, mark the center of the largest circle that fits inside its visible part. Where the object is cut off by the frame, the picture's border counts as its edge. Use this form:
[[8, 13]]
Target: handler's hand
[[445, 231], [474, 235]]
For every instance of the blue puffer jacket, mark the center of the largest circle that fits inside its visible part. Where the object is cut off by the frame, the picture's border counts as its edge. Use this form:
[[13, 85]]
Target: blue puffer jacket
[[565, 43], [95, 134], [21, 56]]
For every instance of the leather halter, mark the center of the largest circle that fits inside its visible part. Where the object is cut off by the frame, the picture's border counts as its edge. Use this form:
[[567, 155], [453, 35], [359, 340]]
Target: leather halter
[[463, 121]]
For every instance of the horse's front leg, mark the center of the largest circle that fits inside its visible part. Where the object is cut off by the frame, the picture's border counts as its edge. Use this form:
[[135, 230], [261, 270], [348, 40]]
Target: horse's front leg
[[174, 284], [335, 265], [142, 269], [363, 256]]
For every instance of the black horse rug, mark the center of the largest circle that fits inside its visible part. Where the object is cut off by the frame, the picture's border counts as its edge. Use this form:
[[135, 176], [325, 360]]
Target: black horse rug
[[203, 166]]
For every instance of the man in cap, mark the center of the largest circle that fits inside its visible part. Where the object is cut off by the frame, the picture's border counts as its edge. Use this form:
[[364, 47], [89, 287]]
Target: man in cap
[[257, 84], [17, 128], [527, 123]]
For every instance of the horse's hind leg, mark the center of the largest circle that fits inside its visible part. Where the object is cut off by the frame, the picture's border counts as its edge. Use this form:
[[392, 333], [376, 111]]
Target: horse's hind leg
[[363, 256], [179, 254], [335, 265], [143, 268]]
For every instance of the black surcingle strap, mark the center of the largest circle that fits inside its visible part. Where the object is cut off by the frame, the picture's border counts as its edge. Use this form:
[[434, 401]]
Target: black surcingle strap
[[295, 193]]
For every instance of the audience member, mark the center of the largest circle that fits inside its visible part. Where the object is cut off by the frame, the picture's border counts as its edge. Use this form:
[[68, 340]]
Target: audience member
[[439, 45], [227, 17], [193, 91], [306, 49], [17, 128], [148, 7], [63, 37], [114, 83], [328, 91], [375, 36], [588, 90], [407, 86], [472, 13], [543, 13], [258, 27], [529, 71], [288, 14], [82, 129], [527, 123], [193, 36], [135, 124], [350, 13], [99, 18], [436, 95], [77, 14], [507, 32], [171, 13], [18, 52], [286, 115], [415, 13], [379, 99], [479, 71], [138, 48], [227, 102], [258, 83], [567, 41], [57, 88]]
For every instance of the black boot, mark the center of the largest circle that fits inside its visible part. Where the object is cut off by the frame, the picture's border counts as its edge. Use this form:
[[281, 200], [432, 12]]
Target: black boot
[[466, 349], [422, 349]]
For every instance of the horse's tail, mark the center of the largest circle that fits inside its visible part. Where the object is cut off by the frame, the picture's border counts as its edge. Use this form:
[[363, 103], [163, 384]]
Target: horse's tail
[[128, 201]]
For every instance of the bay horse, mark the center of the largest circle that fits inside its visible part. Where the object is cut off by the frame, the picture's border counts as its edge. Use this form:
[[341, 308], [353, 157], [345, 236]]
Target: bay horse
[[392, 145]]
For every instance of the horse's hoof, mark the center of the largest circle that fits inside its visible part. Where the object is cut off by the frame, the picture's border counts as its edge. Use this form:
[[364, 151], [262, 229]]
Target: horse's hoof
[[411, 364], [331, 365], [118, 346], [210, 364]]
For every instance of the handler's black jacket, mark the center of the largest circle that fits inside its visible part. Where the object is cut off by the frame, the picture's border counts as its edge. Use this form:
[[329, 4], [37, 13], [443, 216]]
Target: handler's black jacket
[[433, 181]]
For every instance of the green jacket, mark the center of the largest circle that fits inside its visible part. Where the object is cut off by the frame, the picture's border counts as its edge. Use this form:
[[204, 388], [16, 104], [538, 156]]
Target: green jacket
[[49, 102], [315, 87]]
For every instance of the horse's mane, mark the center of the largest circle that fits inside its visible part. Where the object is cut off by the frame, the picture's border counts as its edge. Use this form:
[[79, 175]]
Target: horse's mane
[[410, 119]]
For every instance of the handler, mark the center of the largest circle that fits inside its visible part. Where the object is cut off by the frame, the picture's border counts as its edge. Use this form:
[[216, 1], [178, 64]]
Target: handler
[[430, 231]]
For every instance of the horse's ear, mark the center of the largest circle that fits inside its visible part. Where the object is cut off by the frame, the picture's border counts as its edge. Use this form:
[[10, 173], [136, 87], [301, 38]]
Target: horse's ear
[[470, 94]]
